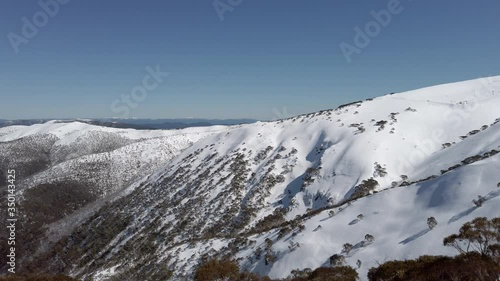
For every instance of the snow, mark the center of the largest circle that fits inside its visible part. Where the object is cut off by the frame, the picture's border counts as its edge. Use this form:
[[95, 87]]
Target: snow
[[72, 131], [107, 161], [397, 219], [105, 274], [427, 131], [426, 119]]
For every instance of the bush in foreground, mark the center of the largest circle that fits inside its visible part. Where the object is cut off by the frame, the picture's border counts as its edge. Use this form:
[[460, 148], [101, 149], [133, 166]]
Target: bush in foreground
[[338, 273], [479, 259], [216, 270], [466, 267]]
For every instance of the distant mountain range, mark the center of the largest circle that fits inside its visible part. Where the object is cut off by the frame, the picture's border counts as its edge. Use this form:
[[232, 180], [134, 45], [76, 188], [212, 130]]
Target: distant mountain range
[[139, 124]]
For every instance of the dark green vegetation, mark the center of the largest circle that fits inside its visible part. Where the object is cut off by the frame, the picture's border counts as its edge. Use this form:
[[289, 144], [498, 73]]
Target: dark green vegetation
[[466, 267], [213, 270]]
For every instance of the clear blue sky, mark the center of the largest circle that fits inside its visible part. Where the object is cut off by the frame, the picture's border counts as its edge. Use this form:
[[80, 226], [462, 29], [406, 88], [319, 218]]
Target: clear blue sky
[[265, 55]]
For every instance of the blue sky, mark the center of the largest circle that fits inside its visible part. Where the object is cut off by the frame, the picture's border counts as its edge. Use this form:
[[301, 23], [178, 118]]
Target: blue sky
[[263, 57]]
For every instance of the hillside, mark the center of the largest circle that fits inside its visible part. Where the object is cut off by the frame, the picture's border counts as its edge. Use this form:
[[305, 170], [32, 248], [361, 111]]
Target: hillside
[[65, 171], [262, 193]]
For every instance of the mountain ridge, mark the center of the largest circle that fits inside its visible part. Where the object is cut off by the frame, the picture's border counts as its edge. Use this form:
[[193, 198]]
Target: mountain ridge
[[261, 193]]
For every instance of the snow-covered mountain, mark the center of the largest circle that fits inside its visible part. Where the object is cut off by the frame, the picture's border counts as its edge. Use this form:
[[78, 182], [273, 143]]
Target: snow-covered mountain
[[66, 170], [108, 158], [264, 193]]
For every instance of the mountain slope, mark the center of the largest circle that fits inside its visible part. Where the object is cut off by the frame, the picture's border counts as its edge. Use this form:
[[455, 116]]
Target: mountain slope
[[253, 192], [65, 171], [59, 149]]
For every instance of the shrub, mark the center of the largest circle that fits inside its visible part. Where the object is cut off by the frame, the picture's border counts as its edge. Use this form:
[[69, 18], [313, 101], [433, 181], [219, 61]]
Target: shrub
[[223, 270], [479, 248], [270, 257], [273, 220], [283, 232], [213, 270], [381, 125], [379, 170], [365, 188], [466, 267], [346, 248], [431, 222], [337, 260], [293, 246], [479, 201], [445, 145], [339, 273], [369, 238], [298, 274]]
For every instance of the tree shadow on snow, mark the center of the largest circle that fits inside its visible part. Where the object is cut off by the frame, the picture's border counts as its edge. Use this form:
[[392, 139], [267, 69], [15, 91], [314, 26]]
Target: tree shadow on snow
[[354, 222], [290, 192], [316, 154], [492, 195], [295, 186], [415, 236], [462, 214], [325, 219], [356, 248], [489, 196]]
